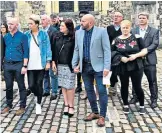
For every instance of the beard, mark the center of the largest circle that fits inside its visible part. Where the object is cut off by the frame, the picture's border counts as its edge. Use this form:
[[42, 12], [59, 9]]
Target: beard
[[84, 27]]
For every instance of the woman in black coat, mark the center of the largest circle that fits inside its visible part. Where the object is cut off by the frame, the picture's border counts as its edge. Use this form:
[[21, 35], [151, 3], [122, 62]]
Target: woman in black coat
[[62, 53]]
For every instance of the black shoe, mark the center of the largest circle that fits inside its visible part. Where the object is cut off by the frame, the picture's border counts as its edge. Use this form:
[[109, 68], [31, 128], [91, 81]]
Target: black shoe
[[154, 104], [70, 114], [78, 90], [133, 101], [28, 92], [142, 111], [126, 110], [46, 94], [53, 97]]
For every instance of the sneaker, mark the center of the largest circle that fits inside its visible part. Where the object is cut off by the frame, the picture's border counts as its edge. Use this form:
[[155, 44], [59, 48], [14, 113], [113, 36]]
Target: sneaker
[[20, 111], [126, 110], [142, 111], [6, 110], [28, 92], [53, 97], [38, 109]]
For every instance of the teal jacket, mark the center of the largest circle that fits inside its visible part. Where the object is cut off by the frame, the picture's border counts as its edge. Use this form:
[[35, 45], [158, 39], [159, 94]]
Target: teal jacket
[[44, 46]]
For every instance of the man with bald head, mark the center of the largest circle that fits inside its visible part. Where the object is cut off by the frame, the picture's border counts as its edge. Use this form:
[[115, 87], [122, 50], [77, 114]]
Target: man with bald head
[[15, 64], [114, 31], [92, 57], [51, 30]]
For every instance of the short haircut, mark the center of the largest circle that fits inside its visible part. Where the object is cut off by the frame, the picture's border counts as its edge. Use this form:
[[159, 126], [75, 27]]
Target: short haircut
[[83, 12], [144, 14], [35, 18], [53, 16], [127, 22]]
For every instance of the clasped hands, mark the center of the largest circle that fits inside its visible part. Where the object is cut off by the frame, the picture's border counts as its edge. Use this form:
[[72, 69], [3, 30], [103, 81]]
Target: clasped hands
[[131, 58]]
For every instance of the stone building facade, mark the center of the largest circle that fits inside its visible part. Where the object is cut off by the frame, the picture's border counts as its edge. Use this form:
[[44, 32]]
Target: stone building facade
[[102, 10]]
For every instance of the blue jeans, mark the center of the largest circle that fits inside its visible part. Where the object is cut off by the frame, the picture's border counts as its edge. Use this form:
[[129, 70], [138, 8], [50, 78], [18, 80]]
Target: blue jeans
[[54, 82], [88, 76], [13, 70]]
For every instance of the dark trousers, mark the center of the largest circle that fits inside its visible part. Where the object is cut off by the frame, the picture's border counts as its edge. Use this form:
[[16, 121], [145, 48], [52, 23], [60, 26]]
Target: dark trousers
[[79, 83], [11, 71], [113, 79], [35, 81], [46, 81], [88, 76], [150, 72], [136, 77]]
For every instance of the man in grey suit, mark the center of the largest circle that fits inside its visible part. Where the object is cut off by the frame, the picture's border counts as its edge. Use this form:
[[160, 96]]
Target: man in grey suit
[[151, 41], [92, 57]]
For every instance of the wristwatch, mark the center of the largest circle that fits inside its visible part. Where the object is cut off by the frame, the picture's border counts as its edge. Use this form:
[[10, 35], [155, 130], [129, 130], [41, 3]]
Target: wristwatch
[[25, 66]]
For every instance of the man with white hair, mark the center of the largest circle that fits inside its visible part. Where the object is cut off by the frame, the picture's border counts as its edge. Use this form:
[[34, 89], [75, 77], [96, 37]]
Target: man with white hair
[[92, 57], [15, 64], [114, 31], [45, 21]]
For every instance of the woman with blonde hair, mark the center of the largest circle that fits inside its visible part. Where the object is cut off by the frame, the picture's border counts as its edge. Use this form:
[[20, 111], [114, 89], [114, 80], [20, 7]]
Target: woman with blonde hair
[[127, 53]]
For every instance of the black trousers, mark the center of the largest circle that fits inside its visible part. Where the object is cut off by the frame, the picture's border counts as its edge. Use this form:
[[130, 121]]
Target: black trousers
[[150, 72], [113, 79], [35, 81], [136, 77], [79, 84], [11, 71]]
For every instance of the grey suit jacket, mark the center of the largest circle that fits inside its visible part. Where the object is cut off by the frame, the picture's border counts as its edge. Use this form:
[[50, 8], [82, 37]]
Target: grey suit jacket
[[100, 53], [151, 42]]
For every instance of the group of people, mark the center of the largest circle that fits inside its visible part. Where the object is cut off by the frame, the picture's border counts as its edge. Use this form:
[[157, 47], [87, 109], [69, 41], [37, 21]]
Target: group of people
[[62, 52]]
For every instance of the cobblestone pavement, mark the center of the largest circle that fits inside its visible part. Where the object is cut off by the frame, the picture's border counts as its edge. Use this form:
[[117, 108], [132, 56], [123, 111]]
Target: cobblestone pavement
[[52, 119]]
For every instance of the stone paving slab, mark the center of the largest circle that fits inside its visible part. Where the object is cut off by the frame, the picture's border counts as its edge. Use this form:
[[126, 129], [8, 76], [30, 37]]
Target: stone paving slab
[[52, 119]]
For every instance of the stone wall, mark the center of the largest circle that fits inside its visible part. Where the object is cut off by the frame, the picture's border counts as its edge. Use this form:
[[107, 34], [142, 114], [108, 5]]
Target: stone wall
[[130, 10]]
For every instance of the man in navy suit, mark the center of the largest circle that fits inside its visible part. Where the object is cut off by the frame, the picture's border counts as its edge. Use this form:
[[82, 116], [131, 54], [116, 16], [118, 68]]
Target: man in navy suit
[[150, 36]]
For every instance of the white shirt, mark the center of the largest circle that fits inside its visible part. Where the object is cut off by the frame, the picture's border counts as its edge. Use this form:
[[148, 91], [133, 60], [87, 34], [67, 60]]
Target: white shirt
[[142, 32], [117, 27], [34, 56]]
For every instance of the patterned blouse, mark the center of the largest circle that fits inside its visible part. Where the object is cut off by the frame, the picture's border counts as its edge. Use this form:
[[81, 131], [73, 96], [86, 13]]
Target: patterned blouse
[[126, 47]]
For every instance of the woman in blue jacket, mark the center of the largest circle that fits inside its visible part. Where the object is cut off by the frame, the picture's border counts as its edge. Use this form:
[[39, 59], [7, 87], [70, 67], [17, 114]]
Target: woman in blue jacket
[[39, 58]]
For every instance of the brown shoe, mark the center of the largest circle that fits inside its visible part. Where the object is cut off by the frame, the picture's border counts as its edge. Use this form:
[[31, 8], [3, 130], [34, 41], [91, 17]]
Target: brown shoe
[[20, 111], [6, 110], [101, 122], [91, 116]]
